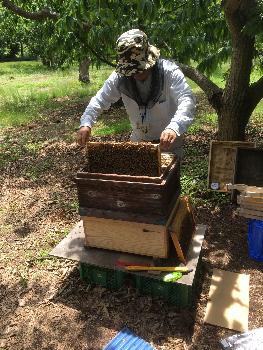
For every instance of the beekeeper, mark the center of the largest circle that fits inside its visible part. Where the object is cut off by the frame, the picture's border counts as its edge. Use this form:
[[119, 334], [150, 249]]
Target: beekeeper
[[154, 91]]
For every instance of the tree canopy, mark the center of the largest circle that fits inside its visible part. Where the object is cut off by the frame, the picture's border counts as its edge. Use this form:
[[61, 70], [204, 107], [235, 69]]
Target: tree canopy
[[199, 34]]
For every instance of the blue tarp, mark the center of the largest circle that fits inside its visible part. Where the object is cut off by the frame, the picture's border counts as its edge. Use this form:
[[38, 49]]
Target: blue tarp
[[127, 340]]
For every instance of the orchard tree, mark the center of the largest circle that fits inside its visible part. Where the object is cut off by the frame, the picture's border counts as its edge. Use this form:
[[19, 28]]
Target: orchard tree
[[13, 37], [211, 33], [199, 34], [44, 37], [71, 31]]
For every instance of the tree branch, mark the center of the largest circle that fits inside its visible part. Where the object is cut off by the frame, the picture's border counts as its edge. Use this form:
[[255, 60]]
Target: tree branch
[[103, 59], [237, 13], [45, 13], [256, 91], [213, 92], [174, 9]]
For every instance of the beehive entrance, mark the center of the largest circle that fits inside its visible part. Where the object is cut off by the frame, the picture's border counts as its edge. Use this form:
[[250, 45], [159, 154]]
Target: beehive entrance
[[123, 158]]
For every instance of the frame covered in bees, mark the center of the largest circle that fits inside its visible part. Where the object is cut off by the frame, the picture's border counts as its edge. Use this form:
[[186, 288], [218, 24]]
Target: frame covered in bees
[[123, 158]]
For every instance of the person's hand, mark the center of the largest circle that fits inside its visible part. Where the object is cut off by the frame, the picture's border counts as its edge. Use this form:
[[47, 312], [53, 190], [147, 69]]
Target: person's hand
[[83, 135], [168, 136]]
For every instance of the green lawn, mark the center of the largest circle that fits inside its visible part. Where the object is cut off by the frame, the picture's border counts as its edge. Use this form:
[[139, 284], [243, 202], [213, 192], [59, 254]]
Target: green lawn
[[27, 88]]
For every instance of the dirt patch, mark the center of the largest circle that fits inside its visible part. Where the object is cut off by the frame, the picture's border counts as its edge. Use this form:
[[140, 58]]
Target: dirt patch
[[44, 304]]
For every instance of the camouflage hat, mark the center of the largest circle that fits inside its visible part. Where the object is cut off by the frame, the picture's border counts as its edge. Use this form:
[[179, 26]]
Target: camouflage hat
[[135, 54]]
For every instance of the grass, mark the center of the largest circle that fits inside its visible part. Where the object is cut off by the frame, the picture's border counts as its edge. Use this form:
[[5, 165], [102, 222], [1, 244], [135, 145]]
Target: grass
[[194, 180], [218, 78], [202, 120], [102, 128], [26, 88]]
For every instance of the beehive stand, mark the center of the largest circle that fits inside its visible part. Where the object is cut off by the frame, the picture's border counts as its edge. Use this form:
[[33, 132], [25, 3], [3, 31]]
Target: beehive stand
[[73, 247]]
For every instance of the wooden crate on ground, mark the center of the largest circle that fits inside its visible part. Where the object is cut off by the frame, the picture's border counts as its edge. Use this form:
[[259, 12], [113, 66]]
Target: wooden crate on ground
[[222, 159], [250, 201], [144, 199]]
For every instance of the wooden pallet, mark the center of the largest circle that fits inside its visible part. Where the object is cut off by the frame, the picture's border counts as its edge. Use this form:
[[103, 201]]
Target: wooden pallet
[[250, 201]]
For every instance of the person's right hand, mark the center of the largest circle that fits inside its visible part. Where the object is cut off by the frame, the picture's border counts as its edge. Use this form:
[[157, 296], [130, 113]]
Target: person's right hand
[[83, 135]]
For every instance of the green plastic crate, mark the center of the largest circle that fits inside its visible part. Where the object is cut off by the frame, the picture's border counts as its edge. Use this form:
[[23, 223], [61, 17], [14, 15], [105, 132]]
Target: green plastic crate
[[178, 294], [173, 293], [110, 279]]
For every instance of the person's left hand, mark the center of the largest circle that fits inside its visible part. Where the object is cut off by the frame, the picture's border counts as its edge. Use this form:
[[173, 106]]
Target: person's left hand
[[168, 136]]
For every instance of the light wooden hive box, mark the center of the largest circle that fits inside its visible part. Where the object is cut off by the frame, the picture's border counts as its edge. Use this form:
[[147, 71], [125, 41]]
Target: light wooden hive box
[[222, 163], [126, 195]]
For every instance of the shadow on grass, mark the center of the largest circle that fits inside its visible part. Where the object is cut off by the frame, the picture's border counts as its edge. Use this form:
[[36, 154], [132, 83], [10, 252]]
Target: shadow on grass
[[38, 163]]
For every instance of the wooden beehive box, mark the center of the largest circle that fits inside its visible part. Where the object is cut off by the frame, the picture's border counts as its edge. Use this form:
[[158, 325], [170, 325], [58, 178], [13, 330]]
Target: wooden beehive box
[[138, 198], [126, 236], [222, 159], [142, 238]]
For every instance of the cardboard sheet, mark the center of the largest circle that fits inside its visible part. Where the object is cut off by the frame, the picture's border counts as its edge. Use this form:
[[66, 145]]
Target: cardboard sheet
[[228, 304]]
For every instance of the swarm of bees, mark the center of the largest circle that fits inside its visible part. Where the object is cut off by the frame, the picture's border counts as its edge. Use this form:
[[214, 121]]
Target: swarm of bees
[[123, 158]]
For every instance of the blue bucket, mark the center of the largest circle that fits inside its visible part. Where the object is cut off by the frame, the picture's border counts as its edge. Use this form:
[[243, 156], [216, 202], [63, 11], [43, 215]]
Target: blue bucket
[[255, 239]]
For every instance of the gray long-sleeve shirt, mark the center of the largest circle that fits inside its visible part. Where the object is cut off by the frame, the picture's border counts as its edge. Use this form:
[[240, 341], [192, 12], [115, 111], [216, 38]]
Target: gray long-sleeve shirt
[[174, 109]]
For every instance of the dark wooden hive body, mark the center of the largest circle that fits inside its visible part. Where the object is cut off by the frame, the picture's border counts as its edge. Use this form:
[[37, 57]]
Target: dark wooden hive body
[[148, 199]]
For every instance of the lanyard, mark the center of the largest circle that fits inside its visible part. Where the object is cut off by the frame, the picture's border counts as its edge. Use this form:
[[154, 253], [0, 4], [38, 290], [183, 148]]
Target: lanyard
[[143, 114]]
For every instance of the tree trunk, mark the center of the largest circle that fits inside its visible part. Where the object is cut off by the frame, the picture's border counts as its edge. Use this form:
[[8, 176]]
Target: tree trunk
[[233, 121], [21, 50], [84, 70], [236, 106]]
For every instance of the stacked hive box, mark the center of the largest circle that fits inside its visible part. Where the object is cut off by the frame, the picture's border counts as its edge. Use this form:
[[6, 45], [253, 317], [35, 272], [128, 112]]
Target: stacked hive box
[[126, 197], [250, 201]]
